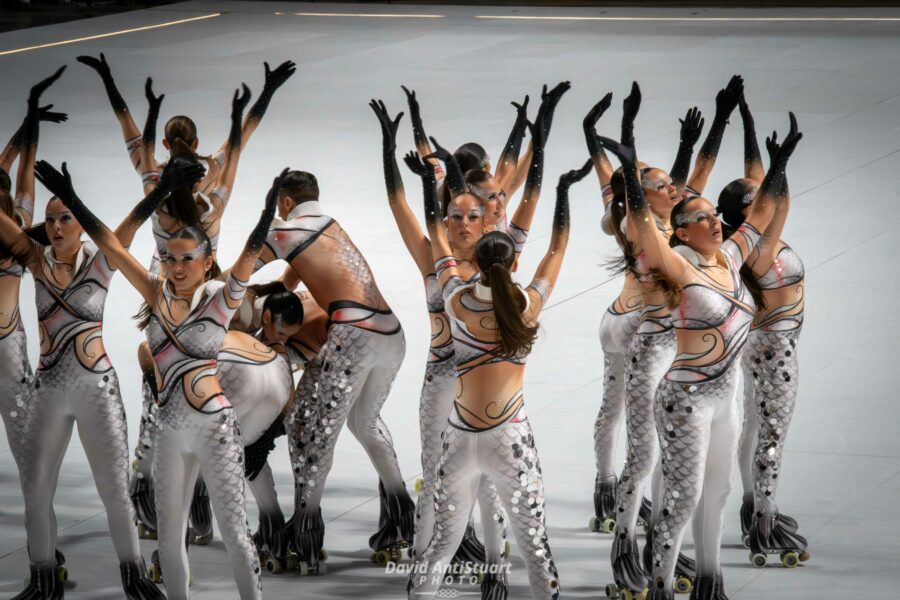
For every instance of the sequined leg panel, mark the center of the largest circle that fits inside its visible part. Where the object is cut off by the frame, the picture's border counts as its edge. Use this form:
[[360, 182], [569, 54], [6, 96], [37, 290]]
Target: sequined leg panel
[[142, 490], [684, 417], [508, 456], [493, 522], [772, 358], [435, 405], [646, 362], [15, 388], [457, 477]]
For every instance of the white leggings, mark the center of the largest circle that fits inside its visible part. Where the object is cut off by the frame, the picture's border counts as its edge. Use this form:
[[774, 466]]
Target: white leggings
[[507, 455], [65, 395], [697, 425]]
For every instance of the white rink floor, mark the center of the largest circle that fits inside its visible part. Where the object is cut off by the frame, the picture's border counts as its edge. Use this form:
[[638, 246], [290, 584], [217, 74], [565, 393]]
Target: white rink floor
[[842, 467]]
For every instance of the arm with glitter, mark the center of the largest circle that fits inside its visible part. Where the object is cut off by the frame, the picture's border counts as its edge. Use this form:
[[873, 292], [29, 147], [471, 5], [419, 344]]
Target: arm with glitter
[[753, 165], [246, 262], [418, 245], [602, 166], [691, 128], [147, 162], [419, 136], [60, 185], [508, 165], [130, 130], [726, 102]]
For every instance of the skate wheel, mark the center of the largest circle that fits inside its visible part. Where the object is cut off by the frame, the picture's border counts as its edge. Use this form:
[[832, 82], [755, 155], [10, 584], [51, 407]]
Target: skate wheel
[[594, 524], [382, 557], [505, 553], [626, 594], [642, 595], [155, 574], [322, 569], [420, 484], [683, 585], [608, 525], [273, 565], [62, 574], [804, 556], [612, 590], [758, 560], [745, 539], [145, 533], [191, 535], [323, 555], [291, 563], [789, 559], [303, 568], [203, 540]]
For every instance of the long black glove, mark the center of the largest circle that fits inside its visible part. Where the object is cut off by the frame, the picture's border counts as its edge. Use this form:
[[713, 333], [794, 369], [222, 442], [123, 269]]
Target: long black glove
[[630, 107], [726, 101], [691, 128], [112, 91], [454, 178], [392, 179], [513, 145], [154, 102], [589, 124], [238, 103], [274, 80], [426, 172]]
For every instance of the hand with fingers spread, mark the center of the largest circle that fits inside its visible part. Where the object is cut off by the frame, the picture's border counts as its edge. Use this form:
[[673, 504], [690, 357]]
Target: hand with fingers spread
[[691, 128], [388, 126], [589, 124], [630, 107], [40, 87], [48, 116], [728, 98], [417, 166], [275, 79]]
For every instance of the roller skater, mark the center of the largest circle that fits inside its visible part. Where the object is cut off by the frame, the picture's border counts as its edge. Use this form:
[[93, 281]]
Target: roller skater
[[488, 432], [770, 366], [696, 419], [198, 429]]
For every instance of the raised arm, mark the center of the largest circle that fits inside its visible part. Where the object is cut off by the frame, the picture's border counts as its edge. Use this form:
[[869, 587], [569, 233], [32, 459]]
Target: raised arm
[[548, 269], [726, 102], [630, 107], [421, 140], [60, 185], [173, 176], [245, 263], [769, 209], [14, 146], [753, 166], [274, 80], [508, 165], [227, 173], [24, 200], [691, 127], [416, 242], [148, 166], [444, 262], [540, 132], [601, 163], [647, 235], [130, 131]]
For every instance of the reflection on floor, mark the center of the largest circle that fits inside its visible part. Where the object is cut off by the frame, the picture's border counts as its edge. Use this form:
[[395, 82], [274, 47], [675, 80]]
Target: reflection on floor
[[842, 467]]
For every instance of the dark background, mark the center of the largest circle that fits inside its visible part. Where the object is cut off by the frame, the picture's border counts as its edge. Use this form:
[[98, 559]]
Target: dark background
[[19, 14]]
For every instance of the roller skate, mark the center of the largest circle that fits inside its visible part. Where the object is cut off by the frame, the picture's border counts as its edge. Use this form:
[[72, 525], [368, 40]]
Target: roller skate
[[62, 573], [604, 519], [43, 583], [143, 498], [709, 587], [685, 568], [271, 540], [768, 536], [645, 515], [308, 531], [396, 526], [200, 531], [630, 580], [419, 485], [136, 583], [493, 586], [787, 523]]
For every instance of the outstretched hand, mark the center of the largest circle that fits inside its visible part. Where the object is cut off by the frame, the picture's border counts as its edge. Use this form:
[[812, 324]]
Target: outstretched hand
[[590, 120], [179, 175], [388, 126], [41, 86], [632, 103], [275, 79], [727, 98], [98, 64], [785, 149], [626, 154], [575, 175], [153, 100], [417, 165], [240, 100], [691, 126], [45, 114], [440, 153], [275, 191], [57, 183]]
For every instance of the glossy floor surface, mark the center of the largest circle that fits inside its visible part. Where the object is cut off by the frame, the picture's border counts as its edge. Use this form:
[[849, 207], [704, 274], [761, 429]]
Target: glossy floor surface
[[841, 475]]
